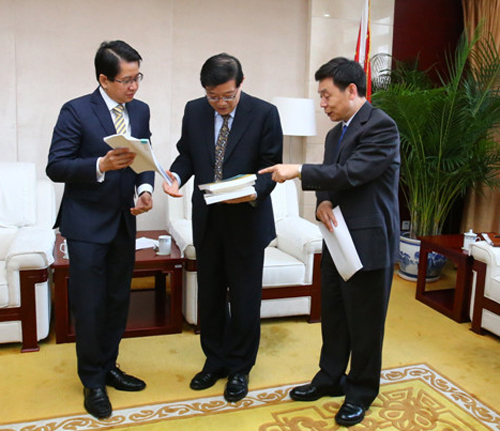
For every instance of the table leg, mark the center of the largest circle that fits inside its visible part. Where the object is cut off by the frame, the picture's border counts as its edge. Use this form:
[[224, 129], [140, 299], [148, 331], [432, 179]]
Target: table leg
[[422, 273]]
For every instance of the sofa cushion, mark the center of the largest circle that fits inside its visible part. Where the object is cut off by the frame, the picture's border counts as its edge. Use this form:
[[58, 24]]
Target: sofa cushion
[[492, 290], [281, 269]]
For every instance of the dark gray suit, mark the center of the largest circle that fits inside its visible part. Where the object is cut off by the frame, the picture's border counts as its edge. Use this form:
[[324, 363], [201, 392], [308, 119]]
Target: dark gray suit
[[361, 176]]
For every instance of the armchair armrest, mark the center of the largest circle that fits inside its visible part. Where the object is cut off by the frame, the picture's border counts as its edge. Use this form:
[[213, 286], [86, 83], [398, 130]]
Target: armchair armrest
[[182, 233], [32, 248], [488, 254], [298, 237]]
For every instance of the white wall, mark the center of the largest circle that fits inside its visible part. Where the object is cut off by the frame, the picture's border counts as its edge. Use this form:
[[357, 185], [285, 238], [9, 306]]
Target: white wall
[[47, 49]]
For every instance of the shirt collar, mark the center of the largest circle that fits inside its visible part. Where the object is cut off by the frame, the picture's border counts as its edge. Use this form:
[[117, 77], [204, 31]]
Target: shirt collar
[[231, 114], [110, 103], [346, 123]]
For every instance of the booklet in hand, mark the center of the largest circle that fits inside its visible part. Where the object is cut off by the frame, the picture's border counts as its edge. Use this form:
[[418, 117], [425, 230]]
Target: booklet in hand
[[145, 159], [231, 188]]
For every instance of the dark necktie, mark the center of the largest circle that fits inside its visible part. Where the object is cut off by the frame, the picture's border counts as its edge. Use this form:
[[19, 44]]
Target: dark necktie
[[343, 133], [337, 148], [220, 148]]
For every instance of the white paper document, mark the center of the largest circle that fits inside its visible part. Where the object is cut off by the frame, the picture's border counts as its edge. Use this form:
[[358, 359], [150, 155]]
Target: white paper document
[[144, 242], [231, 188], [341, 247], [145, 159]]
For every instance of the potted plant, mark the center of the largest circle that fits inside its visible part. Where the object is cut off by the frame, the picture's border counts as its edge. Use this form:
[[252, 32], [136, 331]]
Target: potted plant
[[447, 131]]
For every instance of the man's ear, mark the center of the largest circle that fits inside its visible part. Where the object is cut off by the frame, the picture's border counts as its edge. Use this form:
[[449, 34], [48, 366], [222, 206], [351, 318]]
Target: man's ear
[[103, 80], [353, 90]]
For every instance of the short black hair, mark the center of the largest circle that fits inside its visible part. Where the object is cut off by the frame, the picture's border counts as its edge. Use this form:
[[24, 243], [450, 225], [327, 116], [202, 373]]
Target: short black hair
[[343, 72], [220, 69], [108, 57]]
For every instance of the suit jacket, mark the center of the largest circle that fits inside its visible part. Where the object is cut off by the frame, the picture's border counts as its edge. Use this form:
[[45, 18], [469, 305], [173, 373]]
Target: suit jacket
[[362, 178], [91, 211], [255, 141]]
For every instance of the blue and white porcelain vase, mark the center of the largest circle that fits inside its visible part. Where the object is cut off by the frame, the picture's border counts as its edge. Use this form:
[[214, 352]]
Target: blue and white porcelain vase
[[409, 255]]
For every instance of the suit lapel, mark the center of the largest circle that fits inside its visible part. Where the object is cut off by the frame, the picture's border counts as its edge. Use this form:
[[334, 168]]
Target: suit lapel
[[133, 118], [102, 113], [332, 145], [241, 122], [206, 127], [359, 119]]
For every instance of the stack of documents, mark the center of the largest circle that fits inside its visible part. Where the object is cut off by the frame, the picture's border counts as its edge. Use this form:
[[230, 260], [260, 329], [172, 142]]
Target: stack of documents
[[232, 188]]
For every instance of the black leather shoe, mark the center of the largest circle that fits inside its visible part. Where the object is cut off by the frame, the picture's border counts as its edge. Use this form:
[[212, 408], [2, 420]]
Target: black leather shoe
[[236, 387], [124, 382], [97, 402], [311, 392], [204, 380], [350, 414]]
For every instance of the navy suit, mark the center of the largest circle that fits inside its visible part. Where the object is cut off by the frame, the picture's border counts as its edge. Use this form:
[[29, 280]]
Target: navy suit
[[230, 238], [360, 175], [95, 218]]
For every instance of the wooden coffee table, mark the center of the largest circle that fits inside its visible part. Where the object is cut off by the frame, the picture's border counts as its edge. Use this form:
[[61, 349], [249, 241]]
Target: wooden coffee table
[[453, 302], [153, 310]]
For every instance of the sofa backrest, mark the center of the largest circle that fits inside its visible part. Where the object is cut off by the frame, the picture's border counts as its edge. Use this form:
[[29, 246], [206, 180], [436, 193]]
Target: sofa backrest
[[17, 194]]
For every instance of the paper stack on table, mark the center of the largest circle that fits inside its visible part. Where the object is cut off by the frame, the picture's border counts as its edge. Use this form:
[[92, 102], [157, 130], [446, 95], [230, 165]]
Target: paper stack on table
[[144, 242], [232, 188], [145, 159], [341, 247]]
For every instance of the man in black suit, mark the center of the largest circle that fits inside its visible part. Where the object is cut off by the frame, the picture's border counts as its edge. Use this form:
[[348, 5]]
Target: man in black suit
[[360, 174], [97, 215], [229, 237]]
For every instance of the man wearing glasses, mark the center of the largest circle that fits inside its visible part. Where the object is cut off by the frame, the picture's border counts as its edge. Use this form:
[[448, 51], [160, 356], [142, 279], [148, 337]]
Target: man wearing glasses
[[97, 215], [224, 134]]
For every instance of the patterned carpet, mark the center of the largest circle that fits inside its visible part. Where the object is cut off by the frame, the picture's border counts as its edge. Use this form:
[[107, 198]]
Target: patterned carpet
[[412, 398]]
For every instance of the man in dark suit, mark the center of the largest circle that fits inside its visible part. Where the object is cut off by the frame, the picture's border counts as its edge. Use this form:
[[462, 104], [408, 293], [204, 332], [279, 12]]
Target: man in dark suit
[[229, 237], [360, 174], [97, 215]]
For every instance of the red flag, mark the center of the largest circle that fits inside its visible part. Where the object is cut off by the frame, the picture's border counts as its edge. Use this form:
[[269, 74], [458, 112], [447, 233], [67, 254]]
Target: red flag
[[363, 46]]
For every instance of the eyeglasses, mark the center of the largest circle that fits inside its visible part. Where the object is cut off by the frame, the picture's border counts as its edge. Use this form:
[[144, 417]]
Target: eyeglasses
[[224, 98], [128, 81]]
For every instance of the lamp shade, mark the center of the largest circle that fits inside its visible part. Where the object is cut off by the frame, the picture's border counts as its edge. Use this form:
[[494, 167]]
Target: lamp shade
[[297, 116]]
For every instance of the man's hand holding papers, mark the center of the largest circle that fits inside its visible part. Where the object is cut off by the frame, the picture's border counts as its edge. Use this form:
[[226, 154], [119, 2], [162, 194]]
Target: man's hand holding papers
[[339, 242], [144, 158]]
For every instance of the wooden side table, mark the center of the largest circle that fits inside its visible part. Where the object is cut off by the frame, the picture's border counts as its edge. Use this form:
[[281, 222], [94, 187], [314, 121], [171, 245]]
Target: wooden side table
[[153, 311], [452, 302]]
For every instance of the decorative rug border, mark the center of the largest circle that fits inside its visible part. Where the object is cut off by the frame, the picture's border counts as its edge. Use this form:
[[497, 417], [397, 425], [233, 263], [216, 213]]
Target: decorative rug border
[[216, 404]]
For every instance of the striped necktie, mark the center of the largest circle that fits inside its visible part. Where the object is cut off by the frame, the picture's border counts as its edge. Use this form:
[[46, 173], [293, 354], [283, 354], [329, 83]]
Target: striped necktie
[[220, 148], [119, 120]]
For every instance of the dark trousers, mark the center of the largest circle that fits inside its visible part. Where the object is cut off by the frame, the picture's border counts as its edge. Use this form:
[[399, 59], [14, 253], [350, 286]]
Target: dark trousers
[[229, 298], [353, 317], [99, 292]]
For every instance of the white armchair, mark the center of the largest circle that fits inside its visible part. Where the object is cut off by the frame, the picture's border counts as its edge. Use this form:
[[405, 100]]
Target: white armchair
[[27, 214], [485, 297], [291, 278]]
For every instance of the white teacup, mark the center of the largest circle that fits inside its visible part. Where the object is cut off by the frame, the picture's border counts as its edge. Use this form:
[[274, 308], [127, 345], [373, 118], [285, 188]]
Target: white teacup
[[469, 239], [64, 249], [164, 244]]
